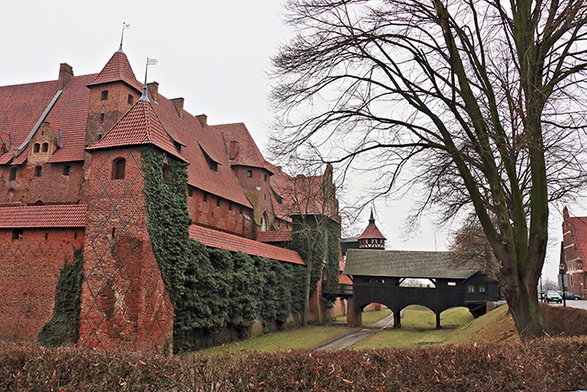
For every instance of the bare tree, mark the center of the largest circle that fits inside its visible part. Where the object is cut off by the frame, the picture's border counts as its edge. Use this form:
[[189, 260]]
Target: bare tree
[[469, 246], [479, 100]]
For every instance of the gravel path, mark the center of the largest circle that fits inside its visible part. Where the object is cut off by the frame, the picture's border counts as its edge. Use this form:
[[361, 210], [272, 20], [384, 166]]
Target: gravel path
[[356, 335]]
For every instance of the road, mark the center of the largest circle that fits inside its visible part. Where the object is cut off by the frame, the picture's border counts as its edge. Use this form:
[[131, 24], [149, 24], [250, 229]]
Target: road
[[581, 304]]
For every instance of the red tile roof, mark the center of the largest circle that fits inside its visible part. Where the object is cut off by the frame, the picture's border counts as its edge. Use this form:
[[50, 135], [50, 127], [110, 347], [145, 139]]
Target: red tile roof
[[70, 215], [139, 126], [245, 152], [221, 240], [117, 69], [371, 232], [274, 236]]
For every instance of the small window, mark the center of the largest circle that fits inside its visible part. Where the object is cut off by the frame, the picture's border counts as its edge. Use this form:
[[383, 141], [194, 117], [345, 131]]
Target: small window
[[130, 99], [166, 173], [452, 284], [205, 197], [104, 95], [118, 168], [36, 147], [190, 192], [249, 174], [471, 288], [38, 171], [12, 175], [482, 288], [265, 177], [229, 206], [66, 170], [101, 117], [218, 202], [45, 147], [17, 234]]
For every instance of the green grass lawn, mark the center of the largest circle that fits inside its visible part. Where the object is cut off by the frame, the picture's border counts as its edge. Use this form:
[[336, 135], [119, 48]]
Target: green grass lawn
[[418, 329], [299, 338]]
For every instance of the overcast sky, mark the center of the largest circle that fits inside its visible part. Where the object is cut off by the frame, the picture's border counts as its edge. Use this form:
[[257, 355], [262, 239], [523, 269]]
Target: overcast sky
[[212, 53]]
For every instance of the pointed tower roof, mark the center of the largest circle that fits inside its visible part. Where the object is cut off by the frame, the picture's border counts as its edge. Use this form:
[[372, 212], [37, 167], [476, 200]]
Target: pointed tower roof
[[117, 69], [371, 232], [139, 126]]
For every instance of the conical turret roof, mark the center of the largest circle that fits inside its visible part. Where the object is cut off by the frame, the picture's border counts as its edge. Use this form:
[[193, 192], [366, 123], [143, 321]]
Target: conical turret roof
[[117, 69], [139, 126], [371, 231]]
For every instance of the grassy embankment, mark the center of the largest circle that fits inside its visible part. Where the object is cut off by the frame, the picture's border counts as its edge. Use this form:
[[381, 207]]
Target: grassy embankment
[[418, 329]]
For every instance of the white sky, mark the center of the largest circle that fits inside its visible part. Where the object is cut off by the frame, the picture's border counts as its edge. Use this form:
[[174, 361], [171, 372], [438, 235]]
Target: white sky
[[212, 53]]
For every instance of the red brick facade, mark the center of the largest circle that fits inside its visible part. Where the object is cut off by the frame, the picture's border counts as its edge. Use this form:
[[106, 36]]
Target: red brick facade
[[124, 301], [29, 271], [74, 145]]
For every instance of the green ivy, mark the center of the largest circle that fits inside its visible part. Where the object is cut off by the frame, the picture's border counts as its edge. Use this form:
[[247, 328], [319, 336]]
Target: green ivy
[[217, 295], [63, 327]]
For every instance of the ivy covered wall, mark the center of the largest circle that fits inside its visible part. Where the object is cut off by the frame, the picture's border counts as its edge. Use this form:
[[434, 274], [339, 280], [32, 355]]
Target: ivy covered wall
[[217, 295], [63, 327]]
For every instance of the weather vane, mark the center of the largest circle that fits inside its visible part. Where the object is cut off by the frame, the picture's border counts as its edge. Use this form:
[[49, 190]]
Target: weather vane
[[124, 27], [149, 62]]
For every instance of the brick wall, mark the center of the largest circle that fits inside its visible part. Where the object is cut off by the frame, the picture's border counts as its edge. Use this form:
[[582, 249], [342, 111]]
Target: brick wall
[[29, 189], [208, 210], [29, 270], [124, 301]]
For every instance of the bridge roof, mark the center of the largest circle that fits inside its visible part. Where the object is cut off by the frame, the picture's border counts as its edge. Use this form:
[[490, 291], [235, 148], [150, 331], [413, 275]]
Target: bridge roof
[[405, 264]]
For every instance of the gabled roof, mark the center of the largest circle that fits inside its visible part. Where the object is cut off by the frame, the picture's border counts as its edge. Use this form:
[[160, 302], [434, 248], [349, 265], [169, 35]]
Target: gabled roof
[[242, 149], [45, 216], [22, 106], [405, 264], [221, 240], [117, 69], [139, 126]]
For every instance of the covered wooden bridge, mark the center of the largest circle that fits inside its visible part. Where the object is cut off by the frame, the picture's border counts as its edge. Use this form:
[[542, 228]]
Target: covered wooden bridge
[[380, 276]]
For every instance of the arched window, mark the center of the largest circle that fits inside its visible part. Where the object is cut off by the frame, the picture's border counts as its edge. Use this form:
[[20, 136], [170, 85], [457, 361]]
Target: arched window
[[118, 168], [45, 147], [36, 147]]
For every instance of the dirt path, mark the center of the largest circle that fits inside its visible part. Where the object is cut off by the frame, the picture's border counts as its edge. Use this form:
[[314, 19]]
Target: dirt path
[[356, 335]]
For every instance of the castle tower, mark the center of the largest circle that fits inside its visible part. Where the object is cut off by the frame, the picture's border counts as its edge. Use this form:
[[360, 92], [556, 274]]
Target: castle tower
[[371, 238], [125, 304]]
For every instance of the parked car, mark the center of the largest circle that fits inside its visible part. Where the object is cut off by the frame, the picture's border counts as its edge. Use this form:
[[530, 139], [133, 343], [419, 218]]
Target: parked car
[[568, 295], [553, 296]]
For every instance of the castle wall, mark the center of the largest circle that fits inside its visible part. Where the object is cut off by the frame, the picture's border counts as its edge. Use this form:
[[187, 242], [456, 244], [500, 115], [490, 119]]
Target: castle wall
[[29, 270], [209, 210], [124, 301], [51, 187]]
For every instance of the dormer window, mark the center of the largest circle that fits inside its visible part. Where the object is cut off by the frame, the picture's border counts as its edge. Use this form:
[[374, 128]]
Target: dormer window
[[45, 147], [36, 147], [212, 164], [118, 168], [249, 174], [104, 95]]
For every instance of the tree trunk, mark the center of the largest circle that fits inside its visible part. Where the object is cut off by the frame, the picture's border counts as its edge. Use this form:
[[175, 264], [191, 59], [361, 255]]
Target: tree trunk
[[522, 297]]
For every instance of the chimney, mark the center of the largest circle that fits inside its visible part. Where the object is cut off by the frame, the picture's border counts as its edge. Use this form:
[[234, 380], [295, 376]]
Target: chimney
[[154, 90], [178, 103], [203, 119], [233, 150], [65, 75]]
